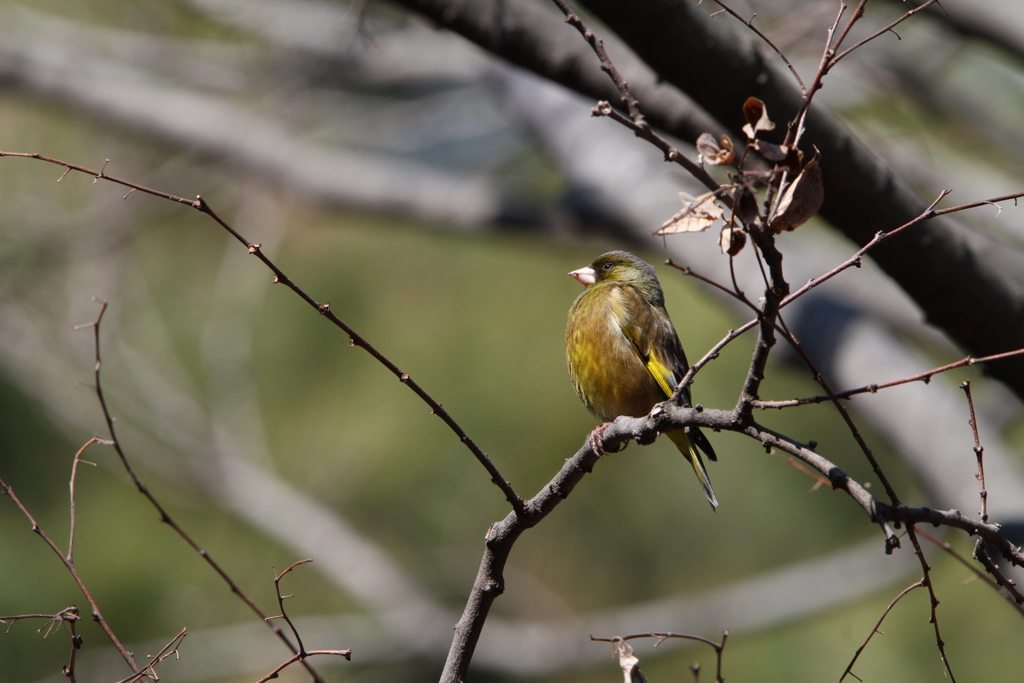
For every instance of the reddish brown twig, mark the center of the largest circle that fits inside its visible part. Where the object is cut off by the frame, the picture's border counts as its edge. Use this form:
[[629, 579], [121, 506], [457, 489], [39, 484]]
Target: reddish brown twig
[[749, 23], [164, 516], [71, 486], [97, 616], [636, 121], [167, 651], [979, 454], [874, 630], [854, 261], [69, 617], [200, 204], [999, 583], [282, 598], [880, 32], [934, 601], [874, 388], [347, 654]]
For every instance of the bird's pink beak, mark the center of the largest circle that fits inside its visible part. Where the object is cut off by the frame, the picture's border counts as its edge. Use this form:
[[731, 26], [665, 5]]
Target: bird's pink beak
[[586, 276]]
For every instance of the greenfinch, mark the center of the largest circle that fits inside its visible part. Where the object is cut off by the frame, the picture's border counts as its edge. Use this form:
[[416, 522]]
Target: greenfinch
[[624, 354]]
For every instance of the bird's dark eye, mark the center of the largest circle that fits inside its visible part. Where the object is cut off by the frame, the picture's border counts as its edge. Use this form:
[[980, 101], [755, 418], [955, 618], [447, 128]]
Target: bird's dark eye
[[607, 266]]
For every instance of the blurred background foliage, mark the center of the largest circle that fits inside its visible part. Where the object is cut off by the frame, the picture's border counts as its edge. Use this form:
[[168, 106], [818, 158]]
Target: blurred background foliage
[[204, 356]]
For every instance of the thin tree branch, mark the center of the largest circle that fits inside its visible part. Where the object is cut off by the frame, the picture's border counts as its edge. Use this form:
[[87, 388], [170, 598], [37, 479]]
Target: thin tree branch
[[874, 630], [169, 650], [164, 516], [199, 204], [719, 648], [636, 120], [347, 654], [749, 23], [934, 601], [882, 31], [999, 583], [875, 388], [71, 486], [97, 616]]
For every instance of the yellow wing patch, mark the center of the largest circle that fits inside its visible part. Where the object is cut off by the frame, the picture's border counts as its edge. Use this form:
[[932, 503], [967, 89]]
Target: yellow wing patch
[[659, 371], [662, 375]]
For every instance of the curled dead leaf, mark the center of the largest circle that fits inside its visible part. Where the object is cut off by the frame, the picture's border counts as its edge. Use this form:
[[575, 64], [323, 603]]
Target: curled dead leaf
[[629, 663], [697, 215], [781, 155], [771, 152], [714, 152], [746, 206], [757, 117], [801, 200], [732, 240]]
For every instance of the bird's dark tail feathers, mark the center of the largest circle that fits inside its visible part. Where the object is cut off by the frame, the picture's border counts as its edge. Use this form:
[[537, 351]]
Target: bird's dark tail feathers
[[683, 442], [701, 442]]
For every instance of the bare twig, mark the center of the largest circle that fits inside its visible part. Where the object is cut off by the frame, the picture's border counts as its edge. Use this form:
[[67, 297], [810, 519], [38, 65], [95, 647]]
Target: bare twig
[[855, 260], [97, 616], [880, 32], [281, 599], [999, 583], [749, 23], [636, 120], [979, 453], [347, 654], [164, 516], [661, 637], [874, 388], [71, 485], [874, 630], [302, 654], [199, 204], [168, 650], [67, 616], [934, 601], [1012, 594]]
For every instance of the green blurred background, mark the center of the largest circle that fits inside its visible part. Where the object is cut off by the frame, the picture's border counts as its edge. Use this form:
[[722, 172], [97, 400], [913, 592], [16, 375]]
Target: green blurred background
[[203, 354]]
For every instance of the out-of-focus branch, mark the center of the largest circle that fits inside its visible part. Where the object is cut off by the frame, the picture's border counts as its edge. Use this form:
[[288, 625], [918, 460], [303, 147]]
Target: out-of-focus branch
[[990, 22], [216, 125]]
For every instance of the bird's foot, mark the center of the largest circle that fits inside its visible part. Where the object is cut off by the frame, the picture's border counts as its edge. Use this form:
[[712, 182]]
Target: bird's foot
[[594, 441]]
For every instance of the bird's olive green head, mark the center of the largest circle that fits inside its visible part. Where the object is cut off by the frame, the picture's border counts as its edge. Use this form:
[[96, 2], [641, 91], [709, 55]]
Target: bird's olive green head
[[624, 269]]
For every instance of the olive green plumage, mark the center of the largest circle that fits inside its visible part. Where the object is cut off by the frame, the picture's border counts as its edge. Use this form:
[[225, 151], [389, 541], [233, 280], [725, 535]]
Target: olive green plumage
[[623, 352]]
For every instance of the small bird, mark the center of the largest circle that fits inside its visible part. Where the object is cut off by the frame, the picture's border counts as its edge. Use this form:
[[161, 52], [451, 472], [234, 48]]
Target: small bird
[[623, 352]]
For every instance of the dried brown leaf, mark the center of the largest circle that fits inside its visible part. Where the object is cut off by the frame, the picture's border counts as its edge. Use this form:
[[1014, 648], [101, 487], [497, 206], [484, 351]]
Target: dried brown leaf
[[794, 158], [714, 152], [629, 663], [746, 206], [697, 215], [801, 200], [732, 240], [770, 151], [757, 117]]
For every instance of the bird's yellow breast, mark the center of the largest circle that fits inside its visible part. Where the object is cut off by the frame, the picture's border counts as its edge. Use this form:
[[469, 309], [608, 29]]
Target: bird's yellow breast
[[608, 372]]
